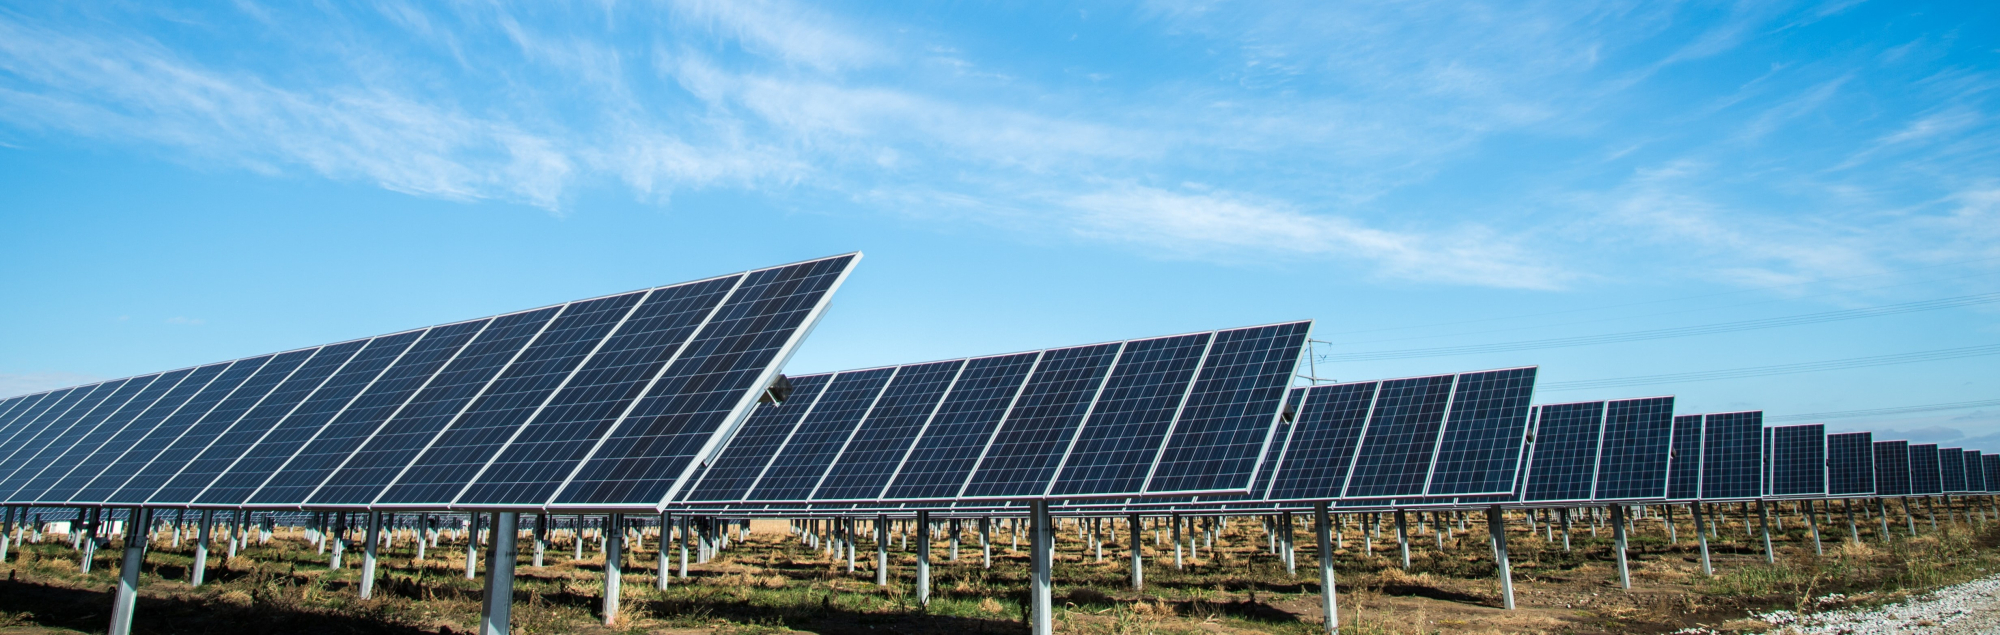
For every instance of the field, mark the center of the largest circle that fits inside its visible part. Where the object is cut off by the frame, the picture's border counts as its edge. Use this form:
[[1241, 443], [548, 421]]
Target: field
[[774, 582]]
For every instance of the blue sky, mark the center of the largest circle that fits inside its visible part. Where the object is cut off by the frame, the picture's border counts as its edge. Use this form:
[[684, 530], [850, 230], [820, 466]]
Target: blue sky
[[190, 184]]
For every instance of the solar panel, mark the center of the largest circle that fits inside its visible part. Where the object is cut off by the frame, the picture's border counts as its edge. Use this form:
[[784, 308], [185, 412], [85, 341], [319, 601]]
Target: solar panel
[[1324, 434], [870, 455], [293, 483], [1951, 469], [1563, 460], [732, 473], [1925, 478], [74, 469], [199, 398], [1479, 450], [1684, 462], [948, 448], [1991, 465], [66, 449], [193, 439], [1118, 444], [799, 463], [1022, 455], [1798, 460], [1766, 475], [234, 439], [284, 437], [1975, 472], [1218, 439], [1731, 455], [31, 421], [1633, 462], [1400, 438], [53, 424], [1892, 468], [1850, 464]]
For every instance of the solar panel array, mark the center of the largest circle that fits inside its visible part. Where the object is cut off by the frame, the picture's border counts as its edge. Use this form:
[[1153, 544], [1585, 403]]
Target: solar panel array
[[603, 403], [1175, 415]]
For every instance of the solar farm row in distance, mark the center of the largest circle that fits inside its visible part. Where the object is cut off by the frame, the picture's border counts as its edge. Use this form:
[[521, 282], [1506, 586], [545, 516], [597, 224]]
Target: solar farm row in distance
[[1168, 415], [604, 403]]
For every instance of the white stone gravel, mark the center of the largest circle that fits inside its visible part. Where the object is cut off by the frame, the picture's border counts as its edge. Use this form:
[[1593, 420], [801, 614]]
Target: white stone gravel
[[1972, 607]]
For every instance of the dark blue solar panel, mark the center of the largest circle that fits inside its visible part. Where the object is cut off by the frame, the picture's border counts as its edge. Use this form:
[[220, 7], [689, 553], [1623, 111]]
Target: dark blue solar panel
[[1798, 460], [1892, 468], [1924, 475], [700, 398], [1118, 444], [1023, 454], [1991, 465], [804, 457], [1325, 432], [286, 436], [1951, 469], [1850, 464], [63, 452], [1562, 462], [750, 452], [871, 454], [218, 381], [947, 449], [54, 424], [84, 461], [195, 438], [237, 437], [36, 417], [1684, 465], [1401, 437], [446, 394], [1975, 472], [1480, 449], [7, 408], [1638, 434], [1732, 461], [294, 483], [550, 446], [472, 439], [1224, 428]]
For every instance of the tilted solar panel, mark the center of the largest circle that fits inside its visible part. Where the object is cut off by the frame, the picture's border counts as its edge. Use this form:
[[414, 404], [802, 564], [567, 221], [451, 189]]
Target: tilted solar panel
[[1480, 450], [1850, 464], [1637, 438], [798, 464], [753, 448], [1951, 470], [1684, 462], [1798, 460], [136, 420], [1766, 476], [1892, 468], [1975, 472], [1991, 466], [28, 458], [948, 447], [1925, 477], [868, 459], [1562, 464], [1324, 433], [1117, 444], [87, 434], [1400, 438], [1731, 455], [1022, 456], [1217, 441], [197, 399]]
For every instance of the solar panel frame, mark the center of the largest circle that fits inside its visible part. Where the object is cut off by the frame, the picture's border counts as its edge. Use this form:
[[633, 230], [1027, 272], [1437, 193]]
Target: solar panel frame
[[1925, 477], [1892, 468], [1798, 461], [1325, 433], [1991, 467], [1732, 461], [944, 455], [1563, 460], [1416, 408], [1850, 464], [1975, 474], [1632, 463], [1951, 470]]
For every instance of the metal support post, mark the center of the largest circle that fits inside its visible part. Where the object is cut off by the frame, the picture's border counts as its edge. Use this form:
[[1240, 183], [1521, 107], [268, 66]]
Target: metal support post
[[882, 550], [1403, 537], [200, 568], [986, 543], [1497, 526], [471, 546], [1138, 557], [1764, 521], [666, 564], [1564, 513], [614, 546], [1618, 539], [496, 606], [1327, 605], [923, 558], [368, 549], [1176, 520], [1812, 523], [1040, 601], [137, 525], [541, 537]]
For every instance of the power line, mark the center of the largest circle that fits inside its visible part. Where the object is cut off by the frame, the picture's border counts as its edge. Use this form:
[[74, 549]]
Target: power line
[[1874, 412], [1685, 331], [1781, 369]]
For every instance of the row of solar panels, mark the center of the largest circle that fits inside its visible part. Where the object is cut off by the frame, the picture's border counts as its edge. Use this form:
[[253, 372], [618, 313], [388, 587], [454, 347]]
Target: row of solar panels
[[601, 403]]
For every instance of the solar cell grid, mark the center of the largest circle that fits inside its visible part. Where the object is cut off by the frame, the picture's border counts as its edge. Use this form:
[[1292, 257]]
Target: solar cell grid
[[805, 456], [698, 400], [1325, 432], [1732, 462], [1991, 467], [1951, 469], [867, 461], [1850, 464], [284, 437], [1220, 435], [946, 450], [36, 417], [466, 444], [1975, 473], [1892, 468], [1563, 459], [753, 448], [1925, 478], [1798, 460], [1480, 447], [75, 469], [51, 425], [234, 438], [223, 380], [1632, 464], [196, 438], [549, 447], [1400, 438], [1116, 447], [1023, 453], [293, 482], [40, 472]]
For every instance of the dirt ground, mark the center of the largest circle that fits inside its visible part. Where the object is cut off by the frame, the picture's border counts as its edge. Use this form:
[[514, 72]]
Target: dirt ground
[[776, 582]]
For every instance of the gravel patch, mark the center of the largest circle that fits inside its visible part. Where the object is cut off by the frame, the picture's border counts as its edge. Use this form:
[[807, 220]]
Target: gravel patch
[[1972, 607]]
